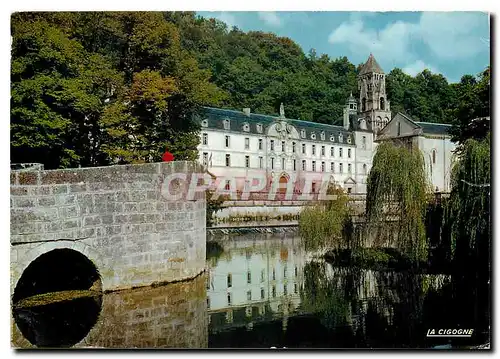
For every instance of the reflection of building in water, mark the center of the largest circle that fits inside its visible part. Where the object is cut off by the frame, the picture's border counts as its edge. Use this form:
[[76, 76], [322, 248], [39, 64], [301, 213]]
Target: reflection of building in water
[[255, 279]]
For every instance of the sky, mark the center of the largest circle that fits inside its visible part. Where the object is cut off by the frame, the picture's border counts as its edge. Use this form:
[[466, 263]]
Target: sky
[[450, 43]]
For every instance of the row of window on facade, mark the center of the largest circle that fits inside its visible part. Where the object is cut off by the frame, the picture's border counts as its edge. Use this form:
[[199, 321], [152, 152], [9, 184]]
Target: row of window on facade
[[262, 294], [303, 133], [262, 276], [272, 147], [304, 165]]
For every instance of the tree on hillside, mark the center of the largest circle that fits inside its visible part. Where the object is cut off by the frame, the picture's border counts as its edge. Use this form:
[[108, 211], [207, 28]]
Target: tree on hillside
[[426, 97], [57, 96], [76, 93], [472, 108]]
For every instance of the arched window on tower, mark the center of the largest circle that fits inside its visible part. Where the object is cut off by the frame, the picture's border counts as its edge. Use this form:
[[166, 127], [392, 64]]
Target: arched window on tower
[[363, 104], [382, 103]]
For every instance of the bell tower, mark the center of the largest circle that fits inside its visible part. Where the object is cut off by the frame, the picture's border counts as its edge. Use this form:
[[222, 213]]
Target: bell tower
[[373, 104], [350, 108]]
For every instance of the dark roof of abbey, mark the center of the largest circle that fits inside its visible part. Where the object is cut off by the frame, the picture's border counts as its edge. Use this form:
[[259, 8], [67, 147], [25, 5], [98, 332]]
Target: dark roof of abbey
[[370, 66], [434, 128], [429, 128], [214, 117]]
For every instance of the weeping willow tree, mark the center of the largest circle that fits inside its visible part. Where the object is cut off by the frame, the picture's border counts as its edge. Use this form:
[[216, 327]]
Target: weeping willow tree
[[397, 191], [327, 224], [468, 216], [468, 209]]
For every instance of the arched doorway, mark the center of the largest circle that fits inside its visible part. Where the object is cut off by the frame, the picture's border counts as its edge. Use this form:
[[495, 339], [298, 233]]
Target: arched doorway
[[283, 183]]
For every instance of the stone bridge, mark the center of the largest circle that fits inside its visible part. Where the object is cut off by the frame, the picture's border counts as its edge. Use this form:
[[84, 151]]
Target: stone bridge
[[107, 225]]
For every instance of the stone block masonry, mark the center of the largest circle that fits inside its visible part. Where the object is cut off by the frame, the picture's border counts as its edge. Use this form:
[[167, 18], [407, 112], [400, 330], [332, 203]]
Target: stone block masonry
[[170, 316], [117, 216]]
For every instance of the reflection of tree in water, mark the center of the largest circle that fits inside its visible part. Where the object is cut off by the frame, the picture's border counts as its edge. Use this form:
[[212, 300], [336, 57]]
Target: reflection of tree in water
[[326, 297], [383, 309], [400, 301], [214, 250]]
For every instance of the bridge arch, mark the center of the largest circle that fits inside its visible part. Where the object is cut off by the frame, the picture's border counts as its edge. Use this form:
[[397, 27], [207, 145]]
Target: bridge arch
[[119, 211], [79, 250]]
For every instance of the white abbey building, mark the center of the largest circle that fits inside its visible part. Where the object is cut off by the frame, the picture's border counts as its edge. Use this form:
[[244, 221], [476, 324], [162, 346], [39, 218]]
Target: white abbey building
[[240, 143]]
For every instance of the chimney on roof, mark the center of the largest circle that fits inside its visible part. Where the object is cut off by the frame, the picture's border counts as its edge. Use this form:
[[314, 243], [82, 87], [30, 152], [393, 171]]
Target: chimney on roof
[[246, 111]]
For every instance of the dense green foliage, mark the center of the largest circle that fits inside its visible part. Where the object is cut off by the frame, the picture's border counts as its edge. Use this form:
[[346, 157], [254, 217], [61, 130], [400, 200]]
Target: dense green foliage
[[96, 88], [214, 205], [473, 107], [468, 210], [438, 233], [425, 97], [397, 187], [327, 224]]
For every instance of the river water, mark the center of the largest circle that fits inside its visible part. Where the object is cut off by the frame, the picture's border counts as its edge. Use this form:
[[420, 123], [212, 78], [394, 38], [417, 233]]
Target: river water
[[262, 291]]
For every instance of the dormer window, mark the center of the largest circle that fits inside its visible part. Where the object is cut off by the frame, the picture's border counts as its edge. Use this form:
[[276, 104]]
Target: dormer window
[[332, 138], [313, 136], [246, 127], [349, 139], [340, 138], [204, 123], [259, 128], [303, 133], [227, 124], [322, 136]]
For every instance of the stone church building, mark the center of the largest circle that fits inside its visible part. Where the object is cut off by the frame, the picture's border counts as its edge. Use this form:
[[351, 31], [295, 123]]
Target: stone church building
[[239, 144]]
